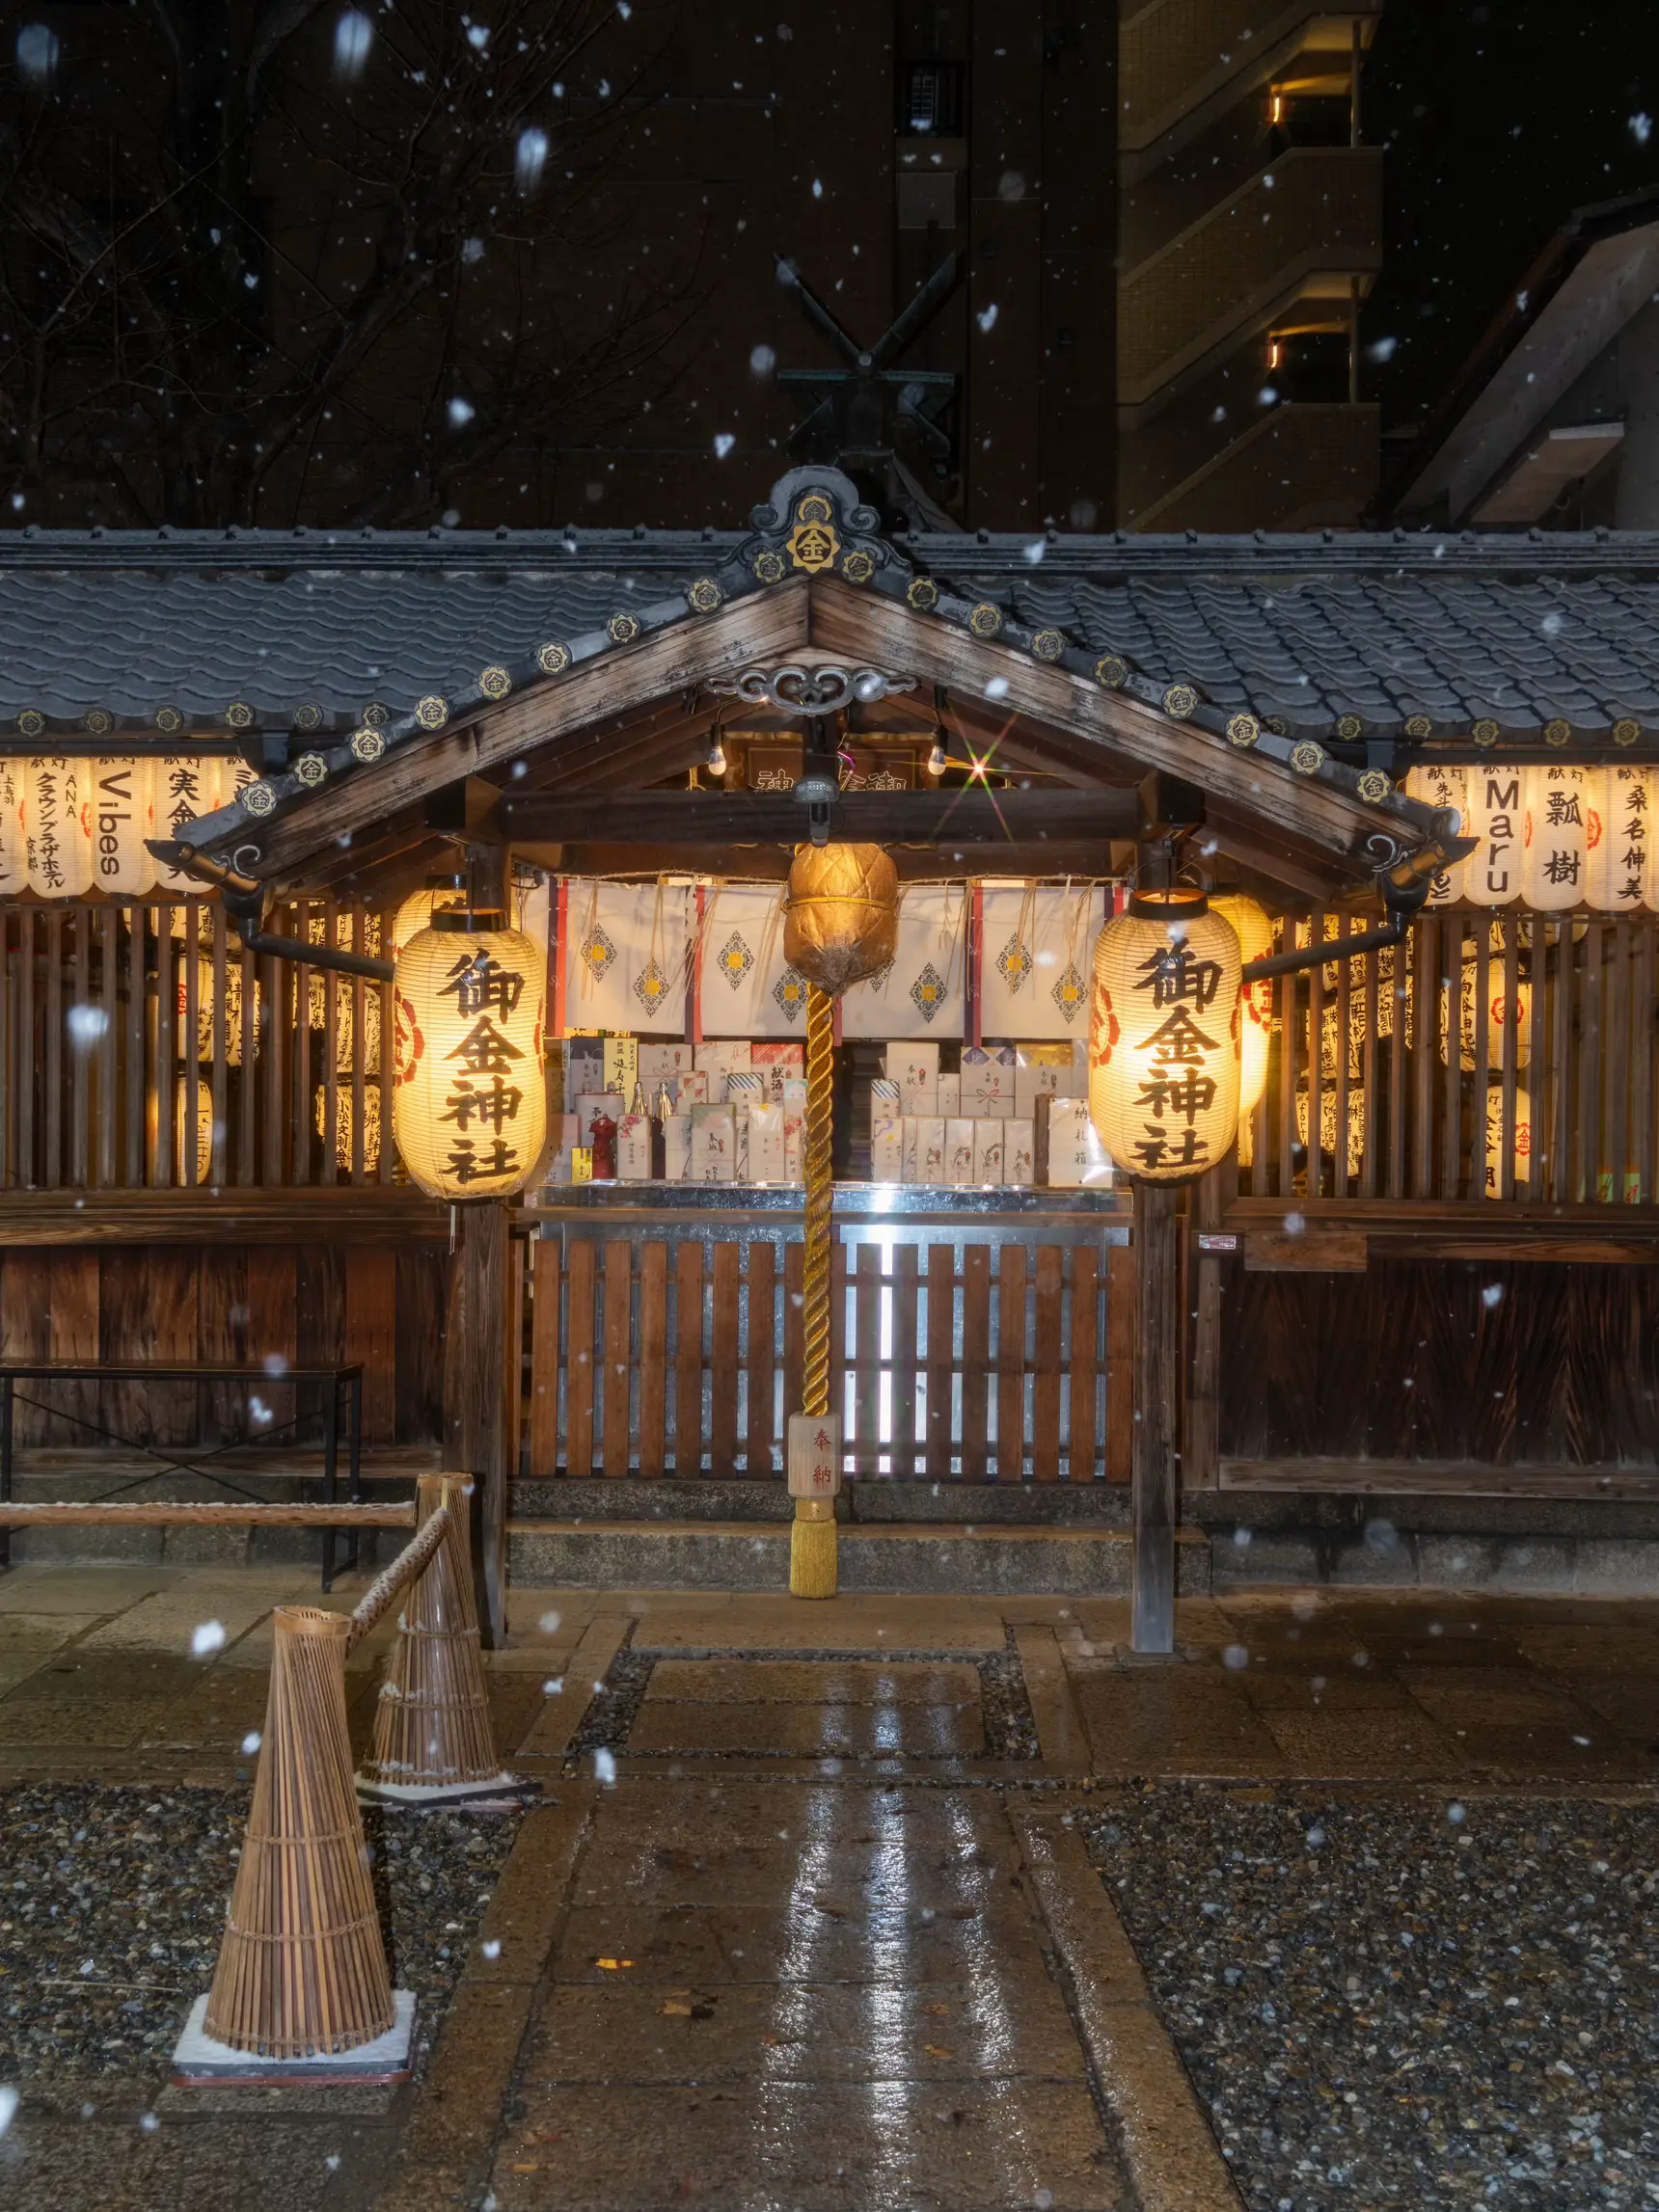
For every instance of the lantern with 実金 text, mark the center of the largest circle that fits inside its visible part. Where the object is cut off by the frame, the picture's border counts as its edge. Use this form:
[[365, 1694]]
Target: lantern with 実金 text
[[470, 1109], [1163, 1042]]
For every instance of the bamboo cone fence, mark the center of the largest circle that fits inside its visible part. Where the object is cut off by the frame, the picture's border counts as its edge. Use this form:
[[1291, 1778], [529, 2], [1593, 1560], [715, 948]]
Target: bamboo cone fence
[[432, 1724], [301, 1969]]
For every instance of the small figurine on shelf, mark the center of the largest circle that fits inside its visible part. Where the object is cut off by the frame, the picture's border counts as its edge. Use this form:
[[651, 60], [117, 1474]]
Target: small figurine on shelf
[[603, 1139]]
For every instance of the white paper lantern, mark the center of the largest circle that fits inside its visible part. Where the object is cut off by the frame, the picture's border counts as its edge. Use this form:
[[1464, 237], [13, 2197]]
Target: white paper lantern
[[57, 815], [14, 862], [470, 1111], [438, 894], [1328, 1122], [1504, 1010], [345, 1111], [1522, 1155], [1438, 784], [1496, 821], [1250, 924], [186, 786], [123, 816], [1555, 864], [193, 1128], [1163, 1043], [1619, 805]]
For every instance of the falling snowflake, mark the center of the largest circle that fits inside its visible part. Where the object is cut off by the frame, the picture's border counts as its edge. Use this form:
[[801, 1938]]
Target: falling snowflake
[[207, 1637]]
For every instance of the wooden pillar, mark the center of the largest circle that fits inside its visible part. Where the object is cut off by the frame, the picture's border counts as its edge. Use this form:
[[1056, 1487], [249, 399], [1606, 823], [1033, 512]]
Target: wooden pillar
[[1158, 1396], [478, 1369], [1200, 1451]]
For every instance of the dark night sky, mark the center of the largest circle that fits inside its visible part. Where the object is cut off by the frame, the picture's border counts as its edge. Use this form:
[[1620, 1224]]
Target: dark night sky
[[1500, 118]]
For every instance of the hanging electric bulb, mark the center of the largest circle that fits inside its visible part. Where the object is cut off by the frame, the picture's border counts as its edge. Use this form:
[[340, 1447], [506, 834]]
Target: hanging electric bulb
[[717, 760], [938, 760]]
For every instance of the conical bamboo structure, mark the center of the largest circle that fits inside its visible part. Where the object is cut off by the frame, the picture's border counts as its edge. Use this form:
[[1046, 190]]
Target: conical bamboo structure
[[432, 1724], [301, 1969]]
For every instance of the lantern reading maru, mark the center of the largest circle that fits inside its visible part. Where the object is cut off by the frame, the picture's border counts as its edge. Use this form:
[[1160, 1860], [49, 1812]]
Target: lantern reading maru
[[1163, 1045], [470, 1109]]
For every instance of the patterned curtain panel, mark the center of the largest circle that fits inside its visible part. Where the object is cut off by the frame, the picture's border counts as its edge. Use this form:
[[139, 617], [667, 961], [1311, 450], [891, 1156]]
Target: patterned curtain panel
[[626, 952], [745, 987], [1035, 951], [922, 994]]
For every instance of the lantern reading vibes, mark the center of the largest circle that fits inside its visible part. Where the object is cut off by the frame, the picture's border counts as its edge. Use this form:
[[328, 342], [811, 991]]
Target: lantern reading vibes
[[470, 1109], [1163, 1043]]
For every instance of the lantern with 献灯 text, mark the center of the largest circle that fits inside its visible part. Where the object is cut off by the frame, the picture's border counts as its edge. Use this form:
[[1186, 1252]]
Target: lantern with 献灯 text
[[1250, 924], [57, 818], [470, 1109], [1164, 1043]]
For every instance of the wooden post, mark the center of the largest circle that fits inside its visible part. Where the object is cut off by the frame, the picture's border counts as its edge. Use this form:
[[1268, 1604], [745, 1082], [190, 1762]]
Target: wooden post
[[477, 1366], [1200, 1460], [1158, 1392]]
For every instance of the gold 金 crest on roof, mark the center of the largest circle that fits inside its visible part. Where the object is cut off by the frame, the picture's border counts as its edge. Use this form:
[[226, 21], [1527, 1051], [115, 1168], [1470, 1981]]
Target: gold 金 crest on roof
[[308, 715], [813, 543], [1484, 733], [1627, 733], [1244, 729], [1349, 727], [1374, 787], [552, 660], [169, 718], [495, 683], [623, 629], [1048, 644], [1306, 758], [257, 798], [859, 566], [238, 715], [31, 722], [1556, 732], [311, 768], [1277, 724], [432, 713], [771, 567], [922, 593], [99, 722], [1112, 671], [367, 745], [985, 620], [814, 508], [375, 715], [1179, 701], [704, 596], [1419, 726]]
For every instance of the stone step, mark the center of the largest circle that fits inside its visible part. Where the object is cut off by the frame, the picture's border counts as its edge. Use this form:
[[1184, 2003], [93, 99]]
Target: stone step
[[1007, 1561]]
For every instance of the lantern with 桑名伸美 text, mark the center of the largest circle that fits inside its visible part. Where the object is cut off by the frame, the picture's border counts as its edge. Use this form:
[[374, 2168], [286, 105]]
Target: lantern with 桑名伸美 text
[[469, 1112]]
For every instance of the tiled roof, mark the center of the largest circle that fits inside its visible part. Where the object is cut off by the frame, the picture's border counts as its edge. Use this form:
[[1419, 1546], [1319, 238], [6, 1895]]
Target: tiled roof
[[1333, 635]]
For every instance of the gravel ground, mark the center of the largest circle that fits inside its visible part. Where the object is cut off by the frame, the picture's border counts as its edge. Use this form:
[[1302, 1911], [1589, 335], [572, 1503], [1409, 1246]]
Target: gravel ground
[[1413, 2002], [112, 1902]]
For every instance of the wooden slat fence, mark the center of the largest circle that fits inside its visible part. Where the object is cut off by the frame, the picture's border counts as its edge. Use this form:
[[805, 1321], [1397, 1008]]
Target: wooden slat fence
[[968, 1362], [1496, 1057], [142, 1048]]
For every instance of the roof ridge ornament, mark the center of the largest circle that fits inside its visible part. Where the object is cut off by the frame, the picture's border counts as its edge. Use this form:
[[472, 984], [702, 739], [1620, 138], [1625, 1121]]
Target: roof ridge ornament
[[794, 689]]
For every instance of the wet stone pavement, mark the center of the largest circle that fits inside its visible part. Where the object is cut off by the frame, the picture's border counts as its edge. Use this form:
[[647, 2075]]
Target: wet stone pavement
[[908, 1904]]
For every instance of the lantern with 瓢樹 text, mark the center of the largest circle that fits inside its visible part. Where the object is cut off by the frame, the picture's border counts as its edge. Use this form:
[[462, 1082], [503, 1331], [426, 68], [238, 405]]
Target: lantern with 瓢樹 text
[[470, 1109], [1163, 1042], [841, 921], [1250, 924]]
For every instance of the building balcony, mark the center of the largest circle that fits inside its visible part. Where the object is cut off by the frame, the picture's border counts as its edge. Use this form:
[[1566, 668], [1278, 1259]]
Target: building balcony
[[1306, 466], [1180, 62], [1308, 227]]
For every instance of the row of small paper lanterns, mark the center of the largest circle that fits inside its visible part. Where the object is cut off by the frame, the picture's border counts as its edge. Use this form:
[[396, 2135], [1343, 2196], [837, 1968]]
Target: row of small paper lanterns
[[75, 826], [1549, 837]]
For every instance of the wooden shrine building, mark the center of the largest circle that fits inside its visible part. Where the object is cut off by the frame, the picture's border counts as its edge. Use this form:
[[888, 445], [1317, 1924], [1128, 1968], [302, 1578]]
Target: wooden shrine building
[[1425, 1273]]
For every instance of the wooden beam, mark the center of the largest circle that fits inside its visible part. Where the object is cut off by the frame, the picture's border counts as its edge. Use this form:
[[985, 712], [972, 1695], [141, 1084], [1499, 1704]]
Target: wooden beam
[[762, 628], [770, 863], [362, 1214], [942, 818], [858, 626], [1155, 1489]]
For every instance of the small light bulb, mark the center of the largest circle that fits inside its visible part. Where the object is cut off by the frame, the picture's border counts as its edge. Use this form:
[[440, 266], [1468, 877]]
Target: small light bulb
[[937, 759], [716, 759]]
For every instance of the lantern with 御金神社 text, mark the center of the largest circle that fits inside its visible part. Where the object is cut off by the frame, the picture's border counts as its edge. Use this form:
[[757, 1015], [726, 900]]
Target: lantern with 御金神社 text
[[470, 1109], [1163, 1043], [440, 894]]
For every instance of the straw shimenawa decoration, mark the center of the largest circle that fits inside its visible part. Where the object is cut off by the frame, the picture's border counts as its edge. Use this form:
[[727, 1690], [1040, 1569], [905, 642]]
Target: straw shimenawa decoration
[[301, 1969], [840, 925], [432, 1724]]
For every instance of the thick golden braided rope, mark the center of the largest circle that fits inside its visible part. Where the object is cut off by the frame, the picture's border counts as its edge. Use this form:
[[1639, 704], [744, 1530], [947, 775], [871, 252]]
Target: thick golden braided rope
[[820, 1199]]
